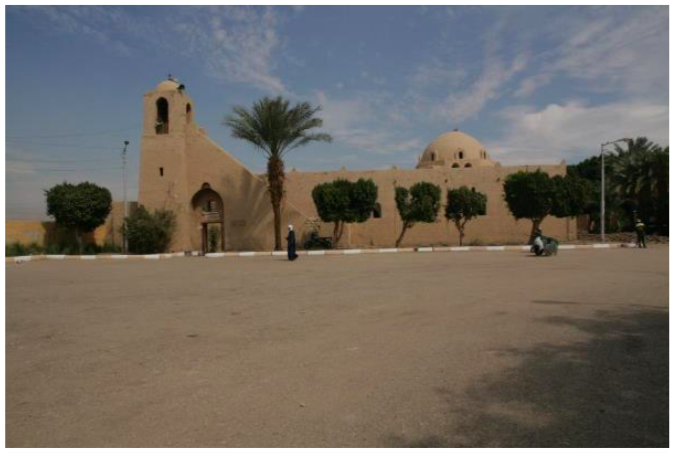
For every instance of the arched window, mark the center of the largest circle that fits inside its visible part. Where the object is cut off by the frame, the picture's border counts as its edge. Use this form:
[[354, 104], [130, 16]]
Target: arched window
[[456, 165], [468, 165], [162, 121], [461, 155], [188, 113], [433, 156]]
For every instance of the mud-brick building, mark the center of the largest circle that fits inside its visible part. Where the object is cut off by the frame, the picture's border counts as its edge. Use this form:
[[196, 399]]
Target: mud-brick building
[[182, 169]]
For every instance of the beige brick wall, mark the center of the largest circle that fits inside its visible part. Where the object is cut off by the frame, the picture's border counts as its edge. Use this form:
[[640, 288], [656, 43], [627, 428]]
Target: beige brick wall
[[46, 232]]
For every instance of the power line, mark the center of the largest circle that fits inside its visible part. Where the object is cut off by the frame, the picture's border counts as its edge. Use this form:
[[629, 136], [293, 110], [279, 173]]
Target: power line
[[58, 161], [62, 145], [86, 134], [77, 169]]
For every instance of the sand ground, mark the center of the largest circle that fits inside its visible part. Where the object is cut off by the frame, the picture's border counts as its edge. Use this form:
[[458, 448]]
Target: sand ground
[[416, 349]]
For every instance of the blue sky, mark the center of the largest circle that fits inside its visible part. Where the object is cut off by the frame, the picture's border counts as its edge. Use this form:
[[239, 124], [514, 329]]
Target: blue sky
[[533, 84]]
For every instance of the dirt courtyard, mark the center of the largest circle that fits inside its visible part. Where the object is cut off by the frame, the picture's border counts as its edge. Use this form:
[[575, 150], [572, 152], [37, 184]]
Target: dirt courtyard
[[416, 349]]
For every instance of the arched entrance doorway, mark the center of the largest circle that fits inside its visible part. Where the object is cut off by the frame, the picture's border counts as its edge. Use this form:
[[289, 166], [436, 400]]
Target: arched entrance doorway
[[207, 207]]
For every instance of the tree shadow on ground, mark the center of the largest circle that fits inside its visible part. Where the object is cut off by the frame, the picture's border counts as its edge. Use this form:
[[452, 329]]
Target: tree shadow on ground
[[609, 391]]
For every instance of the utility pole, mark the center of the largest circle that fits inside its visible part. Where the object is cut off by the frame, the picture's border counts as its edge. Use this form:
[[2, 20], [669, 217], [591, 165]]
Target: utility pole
[[124, 190], [603, 194]]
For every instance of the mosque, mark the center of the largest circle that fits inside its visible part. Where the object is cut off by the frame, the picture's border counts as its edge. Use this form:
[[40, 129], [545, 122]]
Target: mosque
[[184, 171]]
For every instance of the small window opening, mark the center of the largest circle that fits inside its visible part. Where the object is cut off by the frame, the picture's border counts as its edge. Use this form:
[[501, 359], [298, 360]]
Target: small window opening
[[433, 156], [468, 165], [161, 171], [188, 113], [456, 165], [162, 120], [377, 211], [461, 155]]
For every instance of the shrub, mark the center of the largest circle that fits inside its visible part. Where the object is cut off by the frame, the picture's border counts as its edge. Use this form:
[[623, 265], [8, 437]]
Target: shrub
[[149, 232], [110, 248], [19, 249], [79, 207]]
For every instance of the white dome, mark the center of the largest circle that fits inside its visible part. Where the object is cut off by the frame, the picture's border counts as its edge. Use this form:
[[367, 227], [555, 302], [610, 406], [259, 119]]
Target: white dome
[[455, 149]]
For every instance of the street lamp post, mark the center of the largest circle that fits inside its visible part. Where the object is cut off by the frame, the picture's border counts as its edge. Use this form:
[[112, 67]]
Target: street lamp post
[[603, 185], [124, 195]]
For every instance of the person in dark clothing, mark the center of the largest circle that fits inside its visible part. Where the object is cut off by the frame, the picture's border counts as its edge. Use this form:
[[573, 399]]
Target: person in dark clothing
[[640, 234], [291, 244]]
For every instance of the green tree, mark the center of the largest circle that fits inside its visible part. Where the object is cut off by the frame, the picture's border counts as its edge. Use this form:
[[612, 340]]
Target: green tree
[[462, 205], [534, 196], [589, 170], [639, 178], [529, 196], [79, 207], [571, 196], [637, 184], [149, 232], [341, 201], [659, 188], [419, 204], [275, 128]]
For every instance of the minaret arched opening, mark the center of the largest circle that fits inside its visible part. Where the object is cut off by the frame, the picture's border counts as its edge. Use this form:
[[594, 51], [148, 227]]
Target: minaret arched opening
[[162, 121]]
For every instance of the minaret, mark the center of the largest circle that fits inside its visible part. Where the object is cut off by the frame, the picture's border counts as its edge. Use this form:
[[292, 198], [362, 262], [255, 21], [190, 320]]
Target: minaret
[[167, 118]]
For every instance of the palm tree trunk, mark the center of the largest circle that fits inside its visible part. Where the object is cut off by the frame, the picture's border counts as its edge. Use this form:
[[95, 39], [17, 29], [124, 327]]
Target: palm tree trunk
[[276, 190]]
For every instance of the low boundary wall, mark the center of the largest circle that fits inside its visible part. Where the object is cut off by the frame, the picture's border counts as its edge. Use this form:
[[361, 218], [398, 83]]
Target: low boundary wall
[[162, 256]]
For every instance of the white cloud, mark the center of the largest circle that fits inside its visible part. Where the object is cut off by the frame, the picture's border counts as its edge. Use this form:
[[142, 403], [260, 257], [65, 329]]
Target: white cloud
[[629, 55], [531, 84], [468, 91], [435, 73], [351, 122], [376, 80], [574, 130], [462, 105], [236, 44], [611, 49], [83, 21]]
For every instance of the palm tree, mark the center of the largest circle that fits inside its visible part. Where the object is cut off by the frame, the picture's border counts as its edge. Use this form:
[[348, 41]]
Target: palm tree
[[630, 169], [275, 128], [639, 177]]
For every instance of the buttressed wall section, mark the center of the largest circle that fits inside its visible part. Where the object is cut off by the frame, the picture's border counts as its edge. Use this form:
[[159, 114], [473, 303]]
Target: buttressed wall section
[[183, 170]]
